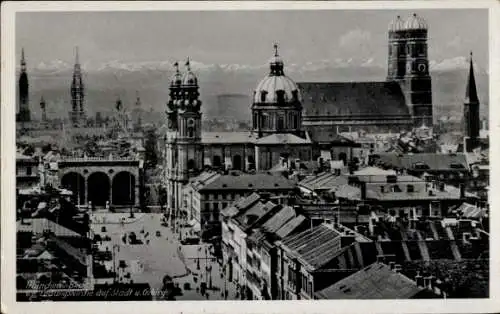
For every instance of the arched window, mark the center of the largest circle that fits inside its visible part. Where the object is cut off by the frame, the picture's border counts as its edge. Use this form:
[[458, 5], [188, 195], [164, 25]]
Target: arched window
[[190, 131], [280, 96], [191, 164], [281, 122]]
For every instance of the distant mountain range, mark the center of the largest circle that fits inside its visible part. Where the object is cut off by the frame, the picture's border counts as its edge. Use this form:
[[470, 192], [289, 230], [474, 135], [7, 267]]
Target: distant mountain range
[[106, 82]]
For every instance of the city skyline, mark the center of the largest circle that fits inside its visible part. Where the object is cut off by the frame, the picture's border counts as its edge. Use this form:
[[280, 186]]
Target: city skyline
[[333, 37]]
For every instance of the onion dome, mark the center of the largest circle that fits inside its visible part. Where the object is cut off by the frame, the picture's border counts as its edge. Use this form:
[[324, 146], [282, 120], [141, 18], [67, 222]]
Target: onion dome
[[397, 25], [177, 77], [189, 79], [415, 22], [276, 87]]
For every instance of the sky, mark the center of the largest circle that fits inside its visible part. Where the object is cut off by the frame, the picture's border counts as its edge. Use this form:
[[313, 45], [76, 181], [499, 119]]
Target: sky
[[241, 37]]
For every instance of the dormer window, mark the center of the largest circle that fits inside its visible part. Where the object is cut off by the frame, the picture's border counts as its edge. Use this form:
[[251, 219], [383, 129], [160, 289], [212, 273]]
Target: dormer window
[[280, 96], [295, 95]]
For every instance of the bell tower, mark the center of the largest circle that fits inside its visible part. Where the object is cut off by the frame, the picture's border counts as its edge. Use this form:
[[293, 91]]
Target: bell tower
[[397, 51], [77, 114], [189, 126], [471, 111], [417, 84], [175, 97], [24, 107]]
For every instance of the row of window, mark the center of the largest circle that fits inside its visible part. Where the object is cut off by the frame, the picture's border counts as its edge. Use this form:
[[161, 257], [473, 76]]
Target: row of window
[[272, 121], [409, 49]]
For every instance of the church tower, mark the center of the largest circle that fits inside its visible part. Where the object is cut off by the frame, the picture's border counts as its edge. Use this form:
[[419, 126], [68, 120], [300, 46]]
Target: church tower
[[24, 107], [471, 106], [77, 114], [417, 84], [276, 106], [189, 126], [397, 50], [175, 97], [408, 64]]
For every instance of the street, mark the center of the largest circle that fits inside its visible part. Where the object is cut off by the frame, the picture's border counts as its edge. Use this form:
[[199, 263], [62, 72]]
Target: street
[[159, 255]]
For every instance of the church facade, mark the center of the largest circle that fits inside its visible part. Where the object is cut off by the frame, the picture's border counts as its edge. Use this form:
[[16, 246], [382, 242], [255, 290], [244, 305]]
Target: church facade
[[401, 102], [292, 120]]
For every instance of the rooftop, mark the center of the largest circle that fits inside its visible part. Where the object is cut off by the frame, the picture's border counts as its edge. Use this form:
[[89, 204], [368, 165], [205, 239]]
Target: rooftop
[[227, 137], [425, 161], [284, 138], [372, 99], [376, 281], [258, 181], [323, 181]]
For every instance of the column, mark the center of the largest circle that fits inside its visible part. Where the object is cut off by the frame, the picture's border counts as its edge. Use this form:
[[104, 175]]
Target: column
[[257, 158]]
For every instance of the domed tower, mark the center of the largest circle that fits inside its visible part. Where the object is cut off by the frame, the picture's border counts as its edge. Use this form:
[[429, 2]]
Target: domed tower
[[24, 107], [175, 96], [397, 50], [417, 80], [276, 106], [189, 125]]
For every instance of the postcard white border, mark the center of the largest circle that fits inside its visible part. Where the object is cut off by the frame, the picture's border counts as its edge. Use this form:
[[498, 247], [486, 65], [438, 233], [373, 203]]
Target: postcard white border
[[8, 100]]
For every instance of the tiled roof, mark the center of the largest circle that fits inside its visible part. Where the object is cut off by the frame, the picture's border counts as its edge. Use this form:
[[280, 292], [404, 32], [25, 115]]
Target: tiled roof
[[284, 138], [323, 181], [256, 212], [432, 160], [227, 137], [314, 247], [258, 181], [471, 211], [322, 135], [347, 191], [370, 171], [369, 99], [418, 194], [290, 226], [241, 204], [284, 215], [204, 178], [376, 281]]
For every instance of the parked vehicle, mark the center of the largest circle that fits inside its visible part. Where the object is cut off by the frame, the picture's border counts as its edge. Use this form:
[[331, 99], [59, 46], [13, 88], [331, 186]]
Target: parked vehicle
[[190, 241]]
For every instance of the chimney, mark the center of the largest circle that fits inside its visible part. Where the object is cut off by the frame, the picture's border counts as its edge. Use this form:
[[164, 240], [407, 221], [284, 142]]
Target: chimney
[[397, 268], [429, 280], [380, 258], [419, 279]]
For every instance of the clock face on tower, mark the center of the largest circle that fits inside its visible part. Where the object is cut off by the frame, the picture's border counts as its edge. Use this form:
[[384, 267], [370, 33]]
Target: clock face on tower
[[422, 67]]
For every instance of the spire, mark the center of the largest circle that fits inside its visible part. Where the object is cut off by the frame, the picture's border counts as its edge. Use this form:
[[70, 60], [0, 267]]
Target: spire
[[188, 64], [176, 66], [77, 58], [276, 64], [23, 61], [471, 91], [42, 100], [138, 99]]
